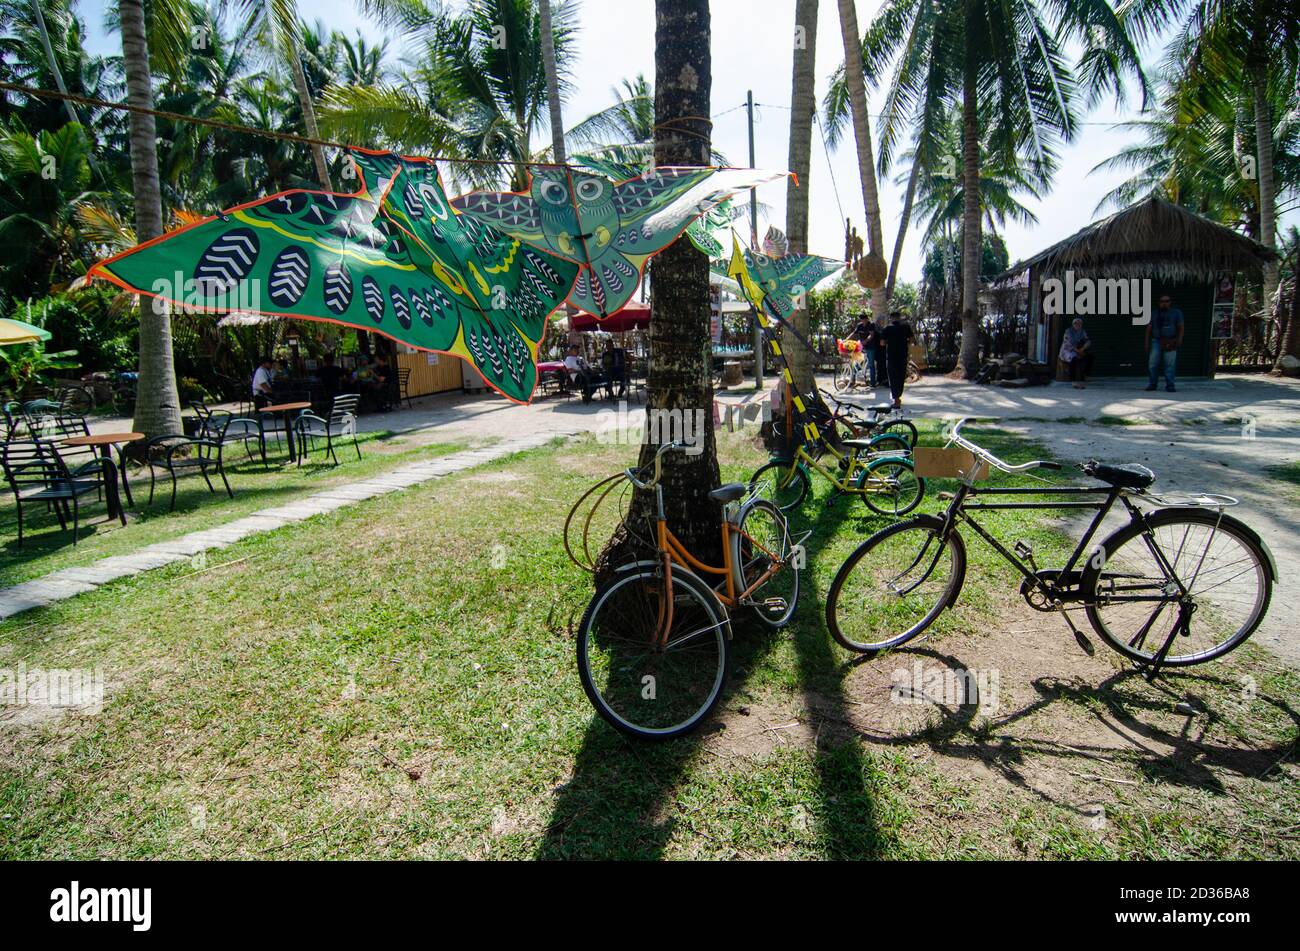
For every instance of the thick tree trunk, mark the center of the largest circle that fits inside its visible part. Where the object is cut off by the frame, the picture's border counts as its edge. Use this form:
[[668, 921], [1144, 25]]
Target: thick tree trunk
[[157, 405], [552, 81], [970, 230], [802, 106], [857, 90], [309, 116], [678, 382]]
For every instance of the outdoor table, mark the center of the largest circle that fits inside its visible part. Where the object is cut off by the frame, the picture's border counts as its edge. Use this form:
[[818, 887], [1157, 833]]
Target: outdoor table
[[106, 442], [285, 409]]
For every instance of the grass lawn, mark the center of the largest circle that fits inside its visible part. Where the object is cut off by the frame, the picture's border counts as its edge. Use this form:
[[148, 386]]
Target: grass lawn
[[396, 679], [46, 548]]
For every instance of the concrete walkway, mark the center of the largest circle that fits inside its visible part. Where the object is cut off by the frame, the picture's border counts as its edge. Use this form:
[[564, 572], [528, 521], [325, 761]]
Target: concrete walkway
[[69, 582]]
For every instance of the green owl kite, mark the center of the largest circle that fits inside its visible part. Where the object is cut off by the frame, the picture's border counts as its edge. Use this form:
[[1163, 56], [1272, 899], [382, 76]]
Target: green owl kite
[[609, 227], [783, 277], [393, 257]]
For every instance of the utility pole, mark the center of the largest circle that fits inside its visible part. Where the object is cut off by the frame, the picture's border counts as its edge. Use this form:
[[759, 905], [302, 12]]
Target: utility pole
[[753, 243]]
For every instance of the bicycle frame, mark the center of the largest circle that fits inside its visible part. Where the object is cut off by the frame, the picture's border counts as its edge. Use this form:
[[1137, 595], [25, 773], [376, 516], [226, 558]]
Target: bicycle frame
[[1100, 499], [842, 484], [673, 551]]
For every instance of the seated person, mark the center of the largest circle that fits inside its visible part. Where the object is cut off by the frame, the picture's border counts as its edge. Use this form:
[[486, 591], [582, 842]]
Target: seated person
[[614, 363], [372, 383], [581, 373], [262, 377], [331, 376]]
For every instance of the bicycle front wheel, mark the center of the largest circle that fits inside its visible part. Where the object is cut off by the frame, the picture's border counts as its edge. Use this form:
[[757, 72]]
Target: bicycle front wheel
[[890, 486], [895, 584], [761, 545], [647, 676], [785, 484], [1134, 587]]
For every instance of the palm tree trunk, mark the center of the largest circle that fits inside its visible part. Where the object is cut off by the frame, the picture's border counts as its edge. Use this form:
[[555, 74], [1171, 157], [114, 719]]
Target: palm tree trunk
[[802, 106], [552, 81], [970, 228], [857, 90], [908, 198], [157, 405], [309, 115], [1267, 184], [678, 384]]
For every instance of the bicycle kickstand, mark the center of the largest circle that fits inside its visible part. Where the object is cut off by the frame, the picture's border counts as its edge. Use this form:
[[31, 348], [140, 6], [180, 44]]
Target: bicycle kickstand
[[1181, 626], [1080, 638]]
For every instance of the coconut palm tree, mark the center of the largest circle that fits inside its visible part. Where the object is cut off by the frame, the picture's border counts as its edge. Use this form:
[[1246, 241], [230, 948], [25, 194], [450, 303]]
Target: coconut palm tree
[[803, 104], [1218, 42], [157, 406], [278, 25], [856, 94], [552, 80], [1004, 63], [477, 89]]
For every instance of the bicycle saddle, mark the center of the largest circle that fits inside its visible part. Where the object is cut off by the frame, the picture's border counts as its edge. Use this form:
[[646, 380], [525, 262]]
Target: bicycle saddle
[[881, 408], [731, 492], [1128, 476]]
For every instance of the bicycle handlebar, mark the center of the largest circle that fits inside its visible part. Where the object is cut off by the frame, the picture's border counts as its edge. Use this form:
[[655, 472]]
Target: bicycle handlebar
[[984, 455], [658, 467]]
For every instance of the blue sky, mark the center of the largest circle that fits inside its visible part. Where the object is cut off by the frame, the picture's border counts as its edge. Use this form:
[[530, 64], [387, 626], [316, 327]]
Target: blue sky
[[752, 49]]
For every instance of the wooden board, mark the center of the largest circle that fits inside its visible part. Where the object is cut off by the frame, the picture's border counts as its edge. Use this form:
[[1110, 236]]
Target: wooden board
[[949, 462]]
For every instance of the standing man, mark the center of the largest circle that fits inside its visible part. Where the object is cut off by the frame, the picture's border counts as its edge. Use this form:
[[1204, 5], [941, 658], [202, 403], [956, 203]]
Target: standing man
[[262, 383], [878, 350], [896, 336], [1164, 337]]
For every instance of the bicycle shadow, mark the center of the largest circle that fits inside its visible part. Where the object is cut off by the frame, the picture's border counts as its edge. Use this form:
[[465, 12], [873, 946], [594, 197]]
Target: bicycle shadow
[[620, 802]]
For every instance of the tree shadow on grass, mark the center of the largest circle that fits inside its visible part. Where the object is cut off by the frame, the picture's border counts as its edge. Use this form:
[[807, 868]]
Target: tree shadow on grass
[[621, 802]]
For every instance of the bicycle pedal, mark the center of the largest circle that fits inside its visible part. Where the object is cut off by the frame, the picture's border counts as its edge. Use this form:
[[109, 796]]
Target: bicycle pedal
[[1084, 644], [946, 496]]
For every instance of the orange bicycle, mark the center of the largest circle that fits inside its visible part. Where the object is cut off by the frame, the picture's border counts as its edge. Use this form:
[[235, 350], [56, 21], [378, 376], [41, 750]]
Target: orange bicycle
[[653, 643]]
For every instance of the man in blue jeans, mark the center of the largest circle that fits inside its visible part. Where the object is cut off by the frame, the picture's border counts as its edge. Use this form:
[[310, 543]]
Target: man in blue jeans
[[1164, 337]]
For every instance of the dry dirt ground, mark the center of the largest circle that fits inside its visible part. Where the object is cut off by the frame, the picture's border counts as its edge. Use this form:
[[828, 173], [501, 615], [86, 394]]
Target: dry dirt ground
[[1052, 731]]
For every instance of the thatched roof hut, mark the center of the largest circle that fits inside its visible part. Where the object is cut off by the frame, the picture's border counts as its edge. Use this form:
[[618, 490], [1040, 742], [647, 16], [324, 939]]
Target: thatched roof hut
[[1152, 248], [1153, 238]]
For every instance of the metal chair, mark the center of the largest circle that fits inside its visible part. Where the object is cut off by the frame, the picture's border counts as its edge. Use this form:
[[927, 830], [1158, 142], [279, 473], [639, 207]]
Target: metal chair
[[37, 473], [342, 424], [176, 455], [225, 427]]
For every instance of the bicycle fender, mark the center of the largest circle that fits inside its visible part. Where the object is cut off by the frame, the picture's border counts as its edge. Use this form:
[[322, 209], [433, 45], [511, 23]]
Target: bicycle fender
[[1236, 523]]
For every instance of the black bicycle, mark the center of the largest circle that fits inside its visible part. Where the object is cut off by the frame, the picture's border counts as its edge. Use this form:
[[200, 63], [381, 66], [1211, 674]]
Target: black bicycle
[[1181, 583]]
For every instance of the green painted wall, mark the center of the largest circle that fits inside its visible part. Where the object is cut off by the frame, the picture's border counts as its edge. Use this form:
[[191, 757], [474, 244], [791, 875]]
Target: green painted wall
[[1117, 344]]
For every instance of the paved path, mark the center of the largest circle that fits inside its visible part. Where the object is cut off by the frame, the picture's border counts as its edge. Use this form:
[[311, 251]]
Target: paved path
[[69, 582], [1193, 439]]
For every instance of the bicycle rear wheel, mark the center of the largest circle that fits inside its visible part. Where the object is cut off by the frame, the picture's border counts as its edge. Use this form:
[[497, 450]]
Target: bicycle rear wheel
[[760, 540], [895, 584], [1134, 600], [645, 678], [901, 427]]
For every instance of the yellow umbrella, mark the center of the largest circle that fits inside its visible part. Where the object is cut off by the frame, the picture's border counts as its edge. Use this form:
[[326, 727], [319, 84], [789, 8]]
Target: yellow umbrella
[[16, 331]]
